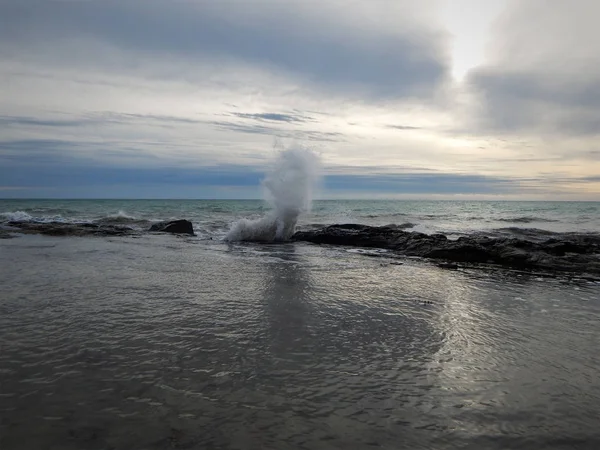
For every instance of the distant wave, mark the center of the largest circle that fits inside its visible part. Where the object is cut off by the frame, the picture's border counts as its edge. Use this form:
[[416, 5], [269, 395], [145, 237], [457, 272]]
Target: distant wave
[[534, 232], [435, 216], [48, 211], [375, 216], [121, 218], [526, 219], [22, 216]]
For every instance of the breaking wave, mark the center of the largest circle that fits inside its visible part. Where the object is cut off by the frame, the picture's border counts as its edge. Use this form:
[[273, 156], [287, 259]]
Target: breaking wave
[[22, 216], [121, 218]]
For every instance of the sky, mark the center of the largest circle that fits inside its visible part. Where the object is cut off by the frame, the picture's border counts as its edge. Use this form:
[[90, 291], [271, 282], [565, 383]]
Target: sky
[[440, 99]]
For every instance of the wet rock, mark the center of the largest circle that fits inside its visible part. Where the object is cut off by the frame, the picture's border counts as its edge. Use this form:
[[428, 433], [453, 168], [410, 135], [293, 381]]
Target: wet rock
[[71, 229], [5, 234], [565, 253], [174, 226], [451, 266]]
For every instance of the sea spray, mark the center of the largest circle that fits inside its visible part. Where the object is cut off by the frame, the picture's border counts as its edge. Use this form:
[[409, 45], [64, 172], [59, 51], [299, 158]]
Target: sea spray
[[289, 190]]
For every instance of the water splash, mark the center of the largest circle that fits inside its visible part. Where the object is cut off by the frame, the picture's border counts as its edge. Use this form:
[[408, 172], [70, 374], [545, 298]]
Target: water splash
[[289, 190]]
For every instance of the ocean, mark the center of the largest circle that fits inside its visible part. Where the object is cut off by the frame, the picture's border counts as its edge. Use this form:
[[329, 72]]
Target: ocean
[[213, 218], [154, 341]]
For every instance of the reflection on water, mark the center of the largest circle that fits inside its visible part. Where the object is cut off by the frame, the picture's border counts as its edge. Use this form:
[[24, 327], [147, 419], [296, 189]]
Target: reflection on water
[[170, 343], [287, 305]]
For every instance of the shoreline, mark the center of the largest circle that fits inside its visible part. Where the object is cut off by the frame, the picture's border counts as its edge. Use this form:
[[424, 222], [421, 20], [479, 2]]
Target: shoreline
[[575, 253]]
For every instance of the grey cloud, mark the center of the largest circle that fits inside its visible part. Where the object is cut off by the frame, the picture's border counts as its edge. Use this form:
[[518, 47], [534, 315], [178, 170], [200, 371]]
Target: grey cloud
[[274, 117], [38, 151], [309, 135], [57, 163], [403, 127], [129, 117], [376, 170], [262, 123], [521, 102], [35, 152], [426, 183], [252, 129], [331, 53], [544, 74], [76, 171], [32, 121], [94, 118]]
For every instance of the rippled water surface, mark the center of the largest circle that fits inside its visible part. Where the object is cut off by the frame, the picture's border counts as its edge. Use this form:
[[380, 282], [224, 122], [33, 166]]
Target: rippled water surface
[[164, 342], [213, 218]]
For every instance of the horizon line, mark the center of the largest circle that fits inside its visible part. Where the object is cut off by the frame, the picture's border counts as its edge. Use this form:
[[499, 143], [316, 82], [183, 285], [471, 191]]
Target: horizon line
[[315, 200]]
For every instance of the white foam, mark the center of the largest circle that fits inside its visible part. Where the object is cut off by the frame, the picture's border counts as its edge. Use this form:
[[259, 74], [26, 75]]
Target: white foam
[[122, 214], [16, 216], [289, 190], [22, 216]]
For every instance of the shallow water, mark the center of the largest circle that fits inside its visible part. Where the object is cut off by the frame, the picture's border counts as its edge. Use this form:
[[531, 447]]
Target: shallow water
[[167, 342]]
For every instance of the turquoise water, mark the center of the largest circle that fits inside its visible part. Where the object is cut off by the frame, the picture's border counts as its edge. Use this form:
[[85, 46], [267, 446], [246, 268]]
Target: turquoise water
[[212, 218]]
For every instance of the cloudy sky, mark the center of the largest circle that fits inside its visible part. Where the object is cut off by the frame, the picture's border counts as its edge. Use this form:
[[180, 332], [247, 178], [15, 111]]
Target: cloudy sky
[[190, 98]]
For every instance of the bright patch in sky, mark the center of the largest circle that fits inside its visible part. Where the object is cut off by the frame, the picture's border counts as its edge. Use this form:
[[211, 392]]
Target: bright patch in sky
[[470, 23]]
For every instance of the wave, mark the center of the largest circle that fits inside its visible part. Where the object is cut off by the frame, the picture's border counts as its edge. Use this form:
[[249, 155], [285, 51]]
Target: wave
[[376, 216], [39, 210], [22, 216], [526, 219], [121, 218]]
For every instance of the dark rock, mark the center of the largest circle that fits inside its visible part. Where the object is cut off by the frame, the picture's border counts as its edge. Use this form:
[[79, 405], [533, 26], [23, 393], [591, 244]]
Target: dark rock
[[4, 234], [174, 226], [563, 252], [72, 229], [402, 226], [446, 265]]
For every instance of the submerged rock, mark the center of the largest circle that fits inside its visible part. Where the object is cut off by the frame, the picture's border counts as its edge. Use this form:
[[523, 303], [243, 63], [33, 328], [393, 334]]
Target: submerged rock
[[448, 265], [92, 229], [4, 234], [571, 253], [71, 229], [174, 226]]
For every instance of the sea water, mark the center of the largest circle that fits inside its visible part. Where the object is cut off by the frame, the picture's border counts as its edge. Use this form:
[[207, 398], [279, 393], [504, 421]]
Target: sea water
[[214, 218], [161, 341]]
